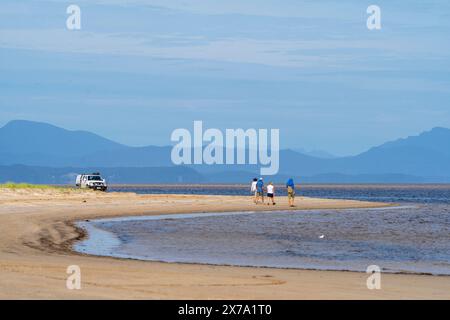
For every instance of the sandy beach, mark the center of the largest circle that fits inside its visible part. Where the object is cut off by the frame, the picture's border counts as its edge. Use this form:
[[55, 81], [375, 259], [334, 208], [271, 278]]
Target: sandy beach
[[37, 233]]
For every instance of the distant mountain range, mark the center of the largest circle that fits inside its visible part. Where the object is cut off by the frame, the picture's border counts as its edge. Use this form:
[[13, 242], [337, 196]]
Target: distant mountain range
[[41, 144], [315, 153], [42, 153]]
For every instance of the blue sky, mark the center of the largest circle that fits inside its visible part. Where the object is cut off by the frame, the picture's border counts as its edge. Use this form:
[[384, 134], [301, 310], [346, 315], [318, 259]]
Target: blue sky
[[139, 69]]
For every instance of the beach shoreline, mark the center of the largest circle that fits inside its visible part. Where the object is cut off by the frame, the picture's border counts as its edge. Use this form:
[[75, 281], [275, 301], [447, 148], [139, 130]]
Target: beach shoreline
[[39, 230]]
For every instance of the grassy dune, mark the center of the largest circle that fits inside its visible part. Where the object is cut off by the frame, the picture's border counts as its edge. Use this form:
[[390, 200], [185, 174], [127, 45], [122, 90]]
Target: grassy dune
[[14, 185]]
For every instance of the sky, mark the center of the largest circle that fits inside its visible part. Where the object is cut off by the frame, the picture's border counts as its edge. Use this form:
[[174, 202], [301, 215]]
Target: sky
[[139, 69]]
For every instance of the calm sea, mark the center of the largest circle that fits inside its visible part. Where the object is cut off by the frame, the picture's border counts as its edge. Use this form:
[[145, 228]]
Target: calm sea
[[411, 238]]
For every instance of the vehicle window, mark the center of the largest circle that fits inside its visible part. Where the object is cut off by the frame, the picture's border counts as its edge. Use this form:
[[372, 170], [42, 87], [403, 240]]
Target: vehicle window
[[94, 178]]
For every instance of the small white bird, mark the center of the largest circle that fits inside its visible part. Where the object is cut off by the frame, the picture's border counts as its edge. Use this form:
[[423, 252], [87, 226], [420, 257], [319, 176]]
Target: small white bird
[[322, 236]]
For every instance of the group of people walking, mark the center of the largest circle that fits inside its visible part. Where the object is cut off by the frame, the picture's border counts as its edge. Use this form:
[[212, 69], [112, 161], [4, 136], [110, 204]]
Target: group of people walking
[[257, 190]]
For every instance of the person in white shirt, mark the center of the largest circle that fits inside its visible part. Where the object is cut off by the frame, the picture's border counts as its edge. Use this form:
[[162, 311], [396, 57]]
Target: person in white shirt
[[253, 189], [271, 193]]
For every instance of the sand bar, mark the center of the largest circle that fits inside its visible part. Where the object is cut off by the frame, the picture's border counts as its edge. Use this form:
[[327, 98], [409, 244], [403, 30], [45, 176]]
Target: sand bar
[[37, 233]]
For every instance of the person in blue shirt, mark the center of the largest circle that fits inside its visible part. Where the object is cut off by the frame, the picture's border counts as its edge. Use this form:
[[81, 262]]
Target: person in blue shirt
[[290, 191], [260, 190]]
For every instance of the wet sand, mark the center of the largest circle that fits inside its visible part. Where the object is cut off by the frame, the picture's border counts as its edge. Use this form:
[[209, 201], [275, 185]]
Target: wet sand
[[37, 233]]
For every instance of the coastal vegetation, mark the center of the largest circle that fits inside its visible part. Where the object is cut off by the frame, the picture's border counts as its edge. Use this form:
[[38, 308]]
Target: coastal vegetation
[[14, 185]]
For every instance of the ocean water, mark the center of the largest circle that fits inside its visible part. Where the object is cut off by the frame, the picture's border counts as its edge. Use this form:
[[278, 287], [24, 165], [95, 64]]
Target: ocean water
[[413, 237]]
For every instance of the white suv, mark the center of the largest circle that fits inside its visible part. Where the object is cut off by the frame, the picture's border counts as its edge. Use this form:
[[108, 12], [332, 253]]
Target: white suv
[[91, 181]]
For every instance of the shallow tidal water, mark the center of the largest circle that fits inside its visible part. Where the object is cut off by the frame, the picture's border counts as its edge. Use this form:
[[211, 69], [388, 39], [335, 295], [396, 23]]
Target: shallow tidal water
[[411, 238]]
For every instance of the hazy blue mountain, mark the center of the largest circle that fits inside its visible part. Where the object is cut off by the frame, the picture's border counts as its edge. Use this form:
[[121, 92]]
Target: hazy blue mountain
[[41, 144], [130, 157], [31, 174], [437, 140], [315, 153], [421, 158], [427, 154], [365, 178], [22, 137], [176, 175]]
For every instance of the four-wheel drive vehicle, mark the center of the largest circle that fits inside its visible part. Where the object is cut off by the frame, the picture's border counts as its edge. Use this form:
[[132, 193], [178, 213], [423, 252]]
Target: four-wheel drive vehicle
[[91, 181]]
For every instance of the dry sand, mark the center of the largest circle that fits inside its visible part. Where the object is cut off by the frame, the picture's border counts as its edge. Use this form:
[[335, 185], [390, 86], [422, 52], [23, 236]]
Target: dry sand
[[37, 233]]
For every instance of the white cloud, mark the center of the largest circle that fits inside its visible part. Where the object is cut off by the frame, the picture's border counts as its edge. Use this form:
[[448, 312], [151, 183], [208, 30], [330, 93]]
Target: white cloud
[[279, 53]]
